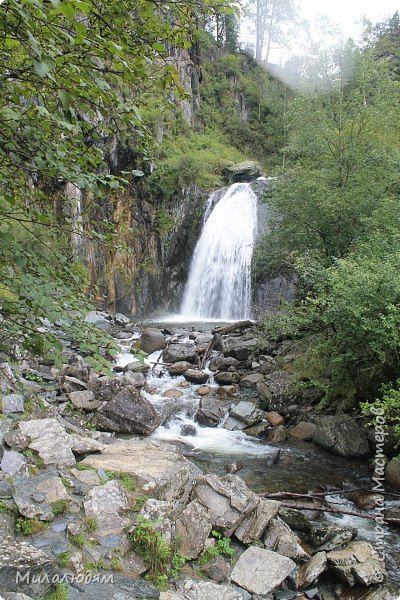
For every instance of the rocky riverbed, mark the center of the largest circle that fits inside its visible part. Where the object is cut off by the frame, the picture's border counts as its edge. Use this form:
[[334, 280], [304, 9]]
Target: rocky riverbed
[[184, 454]]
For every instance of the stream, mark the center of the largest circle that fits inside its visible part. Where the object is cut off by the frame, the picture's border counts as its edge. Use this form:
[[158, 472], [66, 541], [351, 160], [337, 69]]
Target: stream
[[302, 467]]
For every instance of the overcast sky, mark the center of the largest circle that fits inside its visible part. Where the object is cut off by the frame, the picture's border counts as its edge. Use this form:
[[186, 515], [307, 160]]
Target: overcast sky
[[347, 14]]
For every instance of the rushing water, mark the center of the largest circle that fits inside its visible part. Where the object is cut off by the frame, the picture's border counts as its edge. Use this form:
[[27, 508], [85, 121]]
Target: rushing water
[[219, 283]]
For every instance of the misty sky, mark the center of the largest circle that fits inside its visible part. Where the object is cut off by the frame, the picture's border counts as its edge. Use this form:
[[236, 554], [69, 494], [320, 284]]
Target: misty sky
[[346, 14]]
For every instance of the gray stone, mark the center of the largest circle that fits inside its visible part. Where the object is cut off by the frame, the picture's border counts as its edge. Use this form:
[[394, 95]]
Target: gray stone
[[310, 572], [12, 403], [50, 440], [217, 569], [232, 424], [13, 463], [86, 476], [16, 440], [138, 380], [228, 500], [251, 380], [281, 386], [7, 525], [264, 395], [223, 364], [128, 412], [278, 434], [179, 368], [241, 349], [103, 503], [342, 435], [358, 563], [202, 590], [226, 378], [196, 376], [247, 412], [303, 431], [295, 519], [84, 400], [180, 352], [253, 526], [244, 171], [123, 588], [193, 527], [34, 496], [25, 569], [84, 445], [261, 571], [99, 320], [5, 490], [156, 468], [137, 366], [152, 340], [331, 537], [212, 411], [121, 320], [392, 472], [162, 514], [281, 539]]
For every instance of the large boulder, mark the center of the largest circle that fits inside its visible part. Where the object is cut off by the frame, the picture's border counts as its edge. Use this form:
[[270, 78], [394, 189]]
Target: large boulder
[[251, 380], [100, 319], [196, 376], [226, 378], [358, 563], [310, 572], [179, 368], [12, 403], [223, 364], [280, 538], [241, 349], [152, 340], [227, 500], [281, 387], [185, 351], [242, 172], [247, 412], [261, 571], [392, 472], [25, 569], [13, 463], [212, 411], [342, 435], [128, 412], [84, 400], [156, 468]]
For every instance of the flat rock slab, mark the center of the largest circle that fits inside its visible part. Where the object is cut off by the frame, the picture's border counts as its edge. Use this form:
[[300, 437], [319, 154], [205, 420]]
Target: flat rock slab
[[123, 588], [12, 403], [202, 590], [13, 463], [261, 571], [34, 496], [53, 444], [155, 467], [103, 503], [25, 569], [341, 435], [358, 563], [87, 476]]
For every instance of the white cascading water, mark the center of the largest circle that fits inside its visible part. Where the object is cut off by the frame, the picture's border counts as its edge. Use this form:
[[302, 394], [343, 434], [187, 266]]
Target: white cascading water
[[219, 283]]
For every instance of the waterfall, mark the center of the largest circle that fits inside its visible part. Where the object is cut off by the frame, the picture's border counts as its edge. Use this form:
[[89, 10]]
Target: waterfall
[[219, 283]]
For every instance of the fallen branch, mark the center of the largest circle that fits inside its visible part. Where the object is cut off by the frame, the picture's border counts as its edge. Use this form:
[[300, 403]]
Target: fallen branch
[[238, 326], [206, 353]]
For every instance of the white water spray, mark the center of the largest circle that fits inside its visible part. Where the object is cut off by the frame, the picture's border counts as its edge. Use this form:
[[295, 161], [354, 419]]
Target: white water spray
[[219, 284]]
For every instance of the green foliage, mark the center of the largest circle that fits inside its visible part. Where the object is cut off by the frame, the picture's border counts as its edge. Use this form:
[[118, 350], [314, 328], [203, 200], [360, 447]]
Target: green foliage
[[79, 540], [60, 507], [161, 558], [78, 72], [90, 523], [63, 559], [26, 526], [60, 592], [222, 547], [124, 479], [335, 227]]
